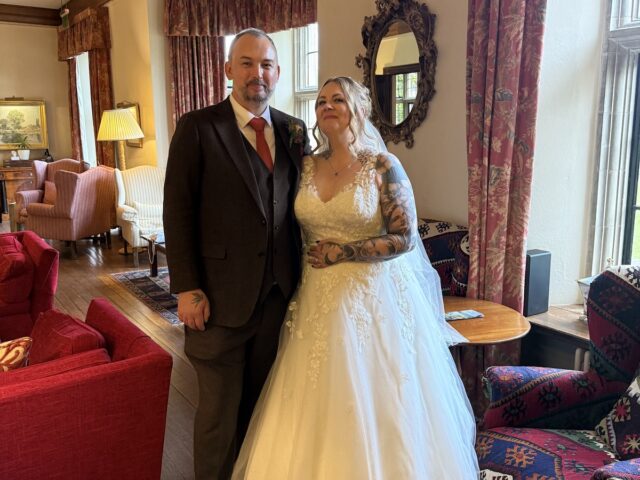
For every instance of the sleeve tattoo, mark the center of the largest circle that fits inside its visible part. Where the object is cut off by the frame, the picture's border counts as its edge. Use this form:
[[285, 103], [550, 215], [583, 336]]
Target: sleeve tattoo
[[398, 214]]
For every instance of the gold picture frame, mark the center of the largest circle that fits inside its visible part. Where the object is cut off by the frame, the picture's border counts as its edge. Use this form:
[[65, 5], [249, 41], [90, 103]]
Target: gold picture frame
[[135, 110], [23, 118]]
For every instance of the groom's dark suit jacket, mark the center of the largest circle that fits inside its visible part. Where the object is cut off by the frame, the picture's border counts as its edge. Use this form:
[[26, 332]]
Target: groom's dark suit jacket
[[225, 226]]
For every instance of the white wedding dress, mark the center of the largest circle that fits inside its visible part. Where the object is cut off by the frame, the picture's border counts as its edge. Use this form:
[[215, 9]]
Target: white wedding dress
[[363, 386]]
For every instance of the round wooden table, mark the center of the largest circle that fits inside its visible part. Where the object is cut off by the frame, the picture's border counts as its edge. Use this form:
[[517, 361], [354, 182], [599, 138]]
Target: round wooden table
[[499, 324]]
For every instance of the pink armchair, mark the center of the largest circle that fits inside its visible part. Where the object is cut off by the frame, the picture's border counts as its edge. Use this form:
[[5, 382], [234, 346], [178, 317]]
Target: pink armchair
[[43, 171], [84, 206]]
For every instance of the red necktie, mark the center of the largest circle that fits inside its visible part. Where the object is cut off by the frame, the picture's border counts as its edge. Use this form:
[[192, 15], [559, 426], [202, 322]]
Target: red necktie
[[258, 124]]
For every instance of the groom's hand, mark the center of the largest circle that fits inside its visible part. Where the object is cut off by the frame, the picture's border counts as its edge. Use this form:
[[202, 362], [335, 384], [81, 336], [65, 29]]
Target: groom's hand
[[193, 309]]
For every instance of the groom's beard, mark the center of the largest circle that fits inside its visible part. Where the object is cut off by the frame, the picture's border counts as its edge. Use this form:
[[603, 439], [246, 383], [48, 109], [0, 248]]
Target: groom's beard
[[258, 97]]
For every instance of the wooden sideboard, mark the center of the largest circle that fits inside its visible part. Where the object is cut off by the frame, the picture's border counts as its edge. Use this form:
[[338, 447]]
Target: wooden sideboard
[[14, 179]]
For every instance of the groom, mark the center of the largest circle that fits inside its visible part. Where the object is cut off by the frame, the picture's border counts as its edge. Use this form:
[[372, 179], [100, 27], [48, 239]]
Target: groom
[[233, 246]]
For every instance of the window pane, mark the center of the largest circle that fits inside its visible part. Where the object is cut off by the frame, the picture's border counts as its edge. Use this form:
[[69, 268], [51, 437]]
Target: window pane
[[312, 70], [399, 79], [399, 112], [412, 85], [635, 247]]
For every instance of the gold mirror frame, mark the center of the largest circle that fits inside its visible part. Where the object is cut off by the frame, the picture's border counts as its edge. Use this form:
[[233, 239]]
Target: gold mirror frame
[[422, 23]]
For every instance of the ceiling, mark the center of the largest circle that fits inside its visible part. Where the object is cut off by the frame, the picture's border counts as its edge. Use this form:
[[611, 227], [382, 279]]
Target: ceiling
[[35, 3]]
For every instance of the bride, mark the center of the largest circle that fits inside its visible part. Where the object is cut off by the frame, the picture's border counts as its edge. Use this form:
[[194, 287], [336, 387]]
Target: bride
[[363, 386]]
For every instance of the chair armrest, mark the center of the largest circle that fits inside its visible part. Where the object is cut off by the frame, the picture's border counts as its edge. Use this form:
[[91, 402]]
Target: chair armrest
[[43, 210], [126, 213], [618, 470], [25, 197], [547, 397]]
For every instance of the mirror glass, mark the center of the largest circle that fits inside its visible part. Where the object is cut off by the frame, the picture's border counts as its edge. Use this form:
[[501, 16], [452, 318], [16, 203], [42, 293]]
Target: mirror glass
[[396, 72]]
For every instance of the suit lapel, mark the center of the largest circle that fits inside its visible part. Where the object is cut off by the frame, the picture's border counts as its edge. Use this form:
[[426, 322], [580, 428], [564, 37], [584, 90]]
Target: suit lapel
[[232, 139], [281, 127]]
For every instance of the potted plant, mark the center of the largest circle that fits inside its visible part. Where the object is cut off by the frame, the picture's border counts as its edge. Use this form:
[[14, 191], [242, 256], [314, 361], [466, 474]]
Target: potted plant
[[23, 147]]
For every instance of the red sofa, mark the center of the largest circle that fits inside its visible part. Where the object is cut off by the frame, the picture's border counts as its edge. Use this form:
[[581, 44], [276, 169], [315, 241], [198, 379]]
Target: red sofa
[[92, 404], [28, 281]]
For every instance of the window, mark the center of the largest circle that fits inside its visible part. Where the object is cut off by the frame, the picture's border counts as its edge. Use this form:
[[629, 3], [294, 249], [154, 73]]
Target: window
[[87, 135], [306, 74], [616, 220], [406, 89]]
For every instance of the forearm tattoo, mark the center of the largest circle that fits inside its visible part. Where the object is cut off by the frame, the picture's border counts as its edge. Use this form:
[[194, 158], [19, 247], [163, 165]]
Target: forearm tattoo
[[398, 213]]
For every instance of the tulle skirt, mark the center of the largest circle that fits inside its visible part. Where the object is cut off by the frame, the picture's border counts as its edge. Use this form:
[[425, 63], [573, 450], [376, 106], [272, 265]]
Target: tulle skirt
[[363, 386]]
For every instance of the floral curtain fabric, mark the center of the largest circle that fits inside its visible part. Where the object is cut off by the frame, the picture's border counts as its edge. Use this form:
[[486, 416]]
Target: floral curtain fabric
[[90, 33], [196, 29], [504, 48]]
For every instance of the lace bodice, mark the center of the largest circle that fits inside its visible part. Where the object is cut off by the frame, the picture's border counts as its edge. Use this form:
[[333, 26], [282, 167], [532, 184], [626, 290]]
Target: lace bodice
[[352, 214]]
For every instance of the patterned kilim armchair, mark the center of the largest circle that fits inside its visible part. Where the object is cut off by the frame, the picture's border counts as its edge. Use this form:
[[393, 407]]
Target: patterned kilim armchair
[[447, 246], [545, 423]]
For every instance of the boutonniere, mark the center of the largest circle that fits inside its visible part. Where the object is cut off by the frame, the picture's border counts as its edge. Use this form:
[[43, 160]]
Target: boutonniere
[[296, 135]]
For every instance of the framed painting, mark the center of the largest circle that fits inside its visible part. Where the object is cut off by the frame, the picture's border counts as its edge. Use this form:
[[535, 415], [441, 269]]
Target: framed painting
[[23, 122], [135, 110]]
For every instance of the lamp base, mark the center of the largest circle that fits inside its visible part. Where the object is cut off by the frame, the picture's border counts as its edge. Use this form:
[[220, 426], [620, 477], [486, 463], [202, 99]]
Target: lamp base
[[122, 163]]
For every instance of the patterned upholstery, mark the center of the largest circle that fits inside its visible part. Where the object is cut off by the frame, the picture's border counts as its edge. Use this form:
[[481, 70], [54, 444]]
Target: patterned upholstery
[[84, 206], [447, 246], [140, 193], [525, 400], [43, 171]]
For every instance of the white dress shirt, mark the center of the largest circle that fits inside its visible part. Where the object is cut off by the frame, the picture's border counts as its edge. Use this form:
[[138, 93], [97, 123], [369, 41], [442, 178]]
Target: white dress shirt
[[243, 117]]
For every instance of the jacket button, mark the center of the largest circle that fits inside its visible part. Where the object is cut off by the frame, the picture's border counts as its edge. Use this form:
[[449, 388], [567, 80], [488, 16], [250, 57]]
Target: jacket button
[[264, 222], [276, 228]]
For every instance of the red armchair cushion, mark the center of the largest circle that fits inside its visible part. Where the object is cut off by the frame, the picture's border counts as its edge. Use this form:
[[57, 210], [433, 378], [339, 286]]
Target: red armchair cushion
[[14, 353], [56, 367], [56, 334], [16, 271]]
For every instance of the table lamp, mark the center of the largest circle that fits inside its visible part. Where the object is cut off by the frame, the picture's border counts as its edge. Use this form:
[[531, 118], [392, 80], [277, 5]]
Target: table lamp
[[119, 125]]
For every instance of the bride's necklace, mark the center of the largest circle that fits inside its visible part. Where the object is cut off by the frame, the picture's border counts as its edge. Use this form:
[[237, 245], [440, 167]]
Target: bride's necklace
[[336, 172]]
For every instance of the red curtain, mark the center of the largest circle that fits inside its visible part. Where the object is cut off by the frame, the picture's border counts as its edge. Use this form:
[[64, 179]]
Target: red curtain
[[101, 100], [196, 29], [74, 114], [197, 73], [504, 47], [90, 32]]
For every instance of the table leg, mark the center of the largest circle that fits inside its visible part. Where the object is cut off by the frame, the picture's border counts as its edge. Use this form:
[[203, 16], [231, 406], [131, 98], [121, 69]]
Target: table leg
[[153, 259]]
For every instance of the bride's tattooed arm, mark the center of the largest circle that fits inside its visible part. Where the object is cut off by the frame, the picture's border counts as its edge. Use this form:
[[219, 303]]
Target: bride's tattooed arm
[[398, 214]]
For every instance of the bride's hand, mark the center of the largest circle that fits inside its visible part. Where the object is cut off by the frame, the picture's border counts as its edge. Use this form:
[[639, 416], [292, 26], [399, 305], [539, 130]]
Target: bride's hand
[[325, 253]]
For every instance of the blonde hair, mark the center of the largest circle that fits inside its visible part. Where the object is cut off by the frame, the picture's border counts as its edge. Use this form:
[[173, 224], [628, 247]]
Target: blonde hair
[[359, 104]]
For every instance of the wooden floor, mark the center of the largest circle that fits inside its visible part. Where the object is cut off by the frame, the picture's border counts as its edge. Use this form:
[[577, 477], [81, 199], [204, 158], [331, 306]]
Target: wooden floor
[[87, 277]]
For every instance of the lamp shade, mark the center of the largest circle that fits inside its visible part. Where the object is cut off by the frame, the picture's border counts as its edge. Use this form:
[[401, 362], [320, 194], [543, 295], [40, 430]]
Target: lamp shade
[[118, 124]]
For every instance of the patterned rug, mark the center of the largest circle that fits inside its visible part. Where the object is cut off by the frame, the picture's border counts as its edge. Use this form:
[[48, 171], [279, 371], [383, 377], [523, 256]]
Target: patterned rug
[[153, 291]]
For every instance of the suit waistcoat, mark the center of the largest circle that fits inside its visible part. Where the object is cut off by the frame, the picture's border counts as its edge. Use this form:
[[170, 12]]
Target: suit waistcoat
[[282, 262]]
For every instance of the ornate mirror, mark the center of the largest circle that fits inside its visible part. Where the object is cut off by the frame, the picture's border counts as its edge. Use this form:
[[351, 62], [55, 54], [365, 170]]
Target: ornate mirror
[[399, 66]]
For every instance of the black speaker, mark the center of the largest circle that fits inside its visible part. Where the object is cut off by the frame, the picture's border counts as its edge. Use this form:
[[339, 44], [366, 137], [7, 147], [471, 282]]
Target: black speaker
[[536, 282]]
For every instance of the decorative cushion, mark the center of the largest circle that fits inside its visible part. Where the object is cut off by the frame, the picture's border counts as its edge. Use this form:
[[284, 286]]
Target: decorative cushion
[[620, 428], [14, 353], [56, 334], [58, 366], [447, 246], [16, 271], [50, 193]]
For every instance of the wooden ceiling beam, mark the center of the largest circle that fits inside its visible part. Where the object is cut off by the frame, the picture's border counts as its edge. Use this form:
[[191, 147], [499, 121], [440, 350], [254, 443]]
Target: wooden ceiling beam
[[30, 15]]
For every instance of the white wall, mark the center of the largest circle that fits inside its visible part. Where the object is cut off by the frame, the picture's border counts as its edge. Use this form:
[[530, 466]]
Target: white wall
[[30, 69], [131, 67], [566, 140], [566, 123]]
